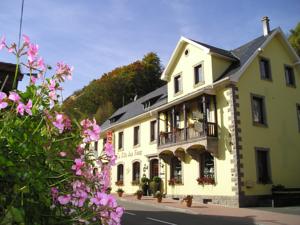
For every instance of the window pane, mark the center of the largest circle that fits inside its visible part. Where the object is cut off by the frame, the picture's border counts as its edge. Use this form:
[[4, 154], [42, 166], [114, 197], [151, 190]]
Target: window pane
[[120, 140], [289, 76], [265, 72], [177, 84], [198, 73], [258, 110], [176, 170], [136, 135], [120, 172], [207, 167], [136, 171], [152, 130], [263, 167], [298, 115]]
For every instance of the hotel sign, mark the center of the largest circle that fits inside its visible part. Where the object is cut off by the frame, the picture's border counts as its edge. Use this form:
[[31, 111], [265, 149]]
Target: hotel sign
[[109, 137]]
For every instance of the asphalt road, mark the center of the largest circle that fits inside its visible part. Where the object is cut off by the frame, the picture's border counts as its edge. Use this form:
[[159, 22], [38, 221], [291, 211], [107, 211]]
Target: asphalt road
[[141, 214]]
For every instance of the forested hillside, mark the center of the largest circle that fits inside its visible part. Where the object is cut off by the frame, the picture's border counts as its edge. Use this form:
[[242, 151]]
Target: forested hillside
[[114, 89]]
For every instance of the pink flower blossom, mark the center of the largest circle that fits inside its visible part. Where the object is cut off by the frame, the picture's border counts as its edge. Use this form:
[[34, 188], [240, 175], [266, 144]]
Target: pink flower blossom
[[27, 108], [33, 79], [100, 199], [63, 154], [64, 71], [59, 122], [32, 52], [14, 96], [2, 103], [91, 130], [64, 199], [77, 166], [54, 193], [2, 42], [52, 85], [41, 64], [26, 39]]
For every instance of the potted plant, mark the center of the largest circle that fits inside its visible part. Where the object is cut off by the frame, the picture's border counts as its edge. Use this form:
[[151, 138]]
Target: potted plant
[[139, 194], [159, 196], [135, 182], [188, 200], [108, 190], [119, 183], [120, 192], [145, 185], [155, 184], [174, 181], [206, 180]]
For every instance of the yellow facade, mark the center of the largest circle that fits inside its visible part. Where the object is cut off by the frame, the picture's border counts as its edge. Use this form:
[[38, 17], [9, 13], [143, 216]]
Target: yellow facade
[[229, 133]]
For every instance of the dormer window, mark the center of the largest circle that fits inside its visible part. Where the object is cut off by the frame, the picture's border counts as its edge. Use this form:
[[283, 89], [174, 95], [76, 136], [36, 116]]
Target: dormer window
[[198, 74], [177, 84], [116, 118], [265, 69], [150, 102]]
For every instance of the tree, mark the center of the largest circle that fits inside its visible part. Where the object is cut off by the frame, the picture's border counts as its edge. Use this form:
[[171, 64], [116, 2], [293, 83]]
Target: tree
[[294, 38], [115, 89]]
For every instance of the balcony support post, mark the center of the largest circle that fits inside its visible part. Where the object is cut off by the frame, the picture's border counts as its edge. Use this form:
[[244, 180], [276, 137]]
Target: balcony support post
[[216, 115], [173, 125], [185, 121], [158, 129], [204, 104]]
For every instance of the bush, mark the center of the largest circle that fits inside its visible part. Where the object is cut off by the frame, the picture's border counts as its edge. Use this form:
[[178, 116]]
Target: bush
[[47, 170]]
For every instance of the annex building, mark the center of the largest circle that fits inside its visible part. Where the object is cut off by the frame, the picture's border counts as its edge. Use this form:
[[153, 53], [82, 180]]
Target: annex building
[[225, 127]]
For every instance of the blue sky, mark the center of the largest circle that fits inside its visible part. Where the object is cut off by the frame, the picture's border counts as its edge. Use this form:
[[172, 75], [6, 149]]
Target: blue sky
[[95, 36]]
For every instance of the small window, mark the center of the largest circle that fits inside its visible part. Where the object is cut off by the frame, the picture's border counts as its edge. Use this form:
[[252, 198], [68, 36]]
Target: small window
[[298, 116], [289, 76], [136, 171], [153, 130], [265, 69], [263, 166], [136, 131], [120, 172], [258, 110], [176, 169], [121, 138], [177, 84], [207, 167], [198, 74]]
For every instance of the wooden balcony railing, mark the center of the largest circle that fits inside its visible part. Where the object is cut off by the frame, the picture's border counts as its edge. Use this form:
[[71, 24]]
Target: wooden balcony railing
[[210, 130]]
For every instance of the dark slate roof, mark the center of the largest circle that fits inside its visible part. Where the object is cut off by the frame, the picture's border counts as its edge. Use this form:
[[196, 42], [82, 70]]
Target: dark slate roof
[[243, 53], [137, 108], [239, 55], [219, 51]]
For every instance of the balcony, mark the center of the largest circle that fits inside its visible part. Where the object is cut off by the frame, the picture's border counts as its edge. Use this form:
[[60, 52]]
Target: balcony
[[189, 126]]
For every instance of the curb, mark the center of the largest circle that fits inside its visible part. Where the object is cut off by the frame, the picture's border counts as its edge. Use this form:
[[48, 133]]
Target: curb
[[170, 208]]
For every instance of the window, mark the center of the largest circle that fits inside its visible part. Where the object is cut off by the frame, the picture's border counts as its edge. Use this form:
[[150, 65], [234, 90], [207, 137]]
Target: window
[[177, 119], [121, 138], [298, 116], [136, 171], [136, 131], [289, 76], [258, 110], [265, 69], [96, 149], [176, 169], [263, 166], [153, 130], [198, 74], [207, 165], [120, 172], [177, 84], [153, 168]]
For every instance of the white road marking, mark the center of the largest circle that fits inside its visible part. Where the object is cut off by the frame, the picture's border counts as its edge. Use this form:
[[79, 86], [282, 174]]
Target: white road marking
[[129, 213], [161, 221]]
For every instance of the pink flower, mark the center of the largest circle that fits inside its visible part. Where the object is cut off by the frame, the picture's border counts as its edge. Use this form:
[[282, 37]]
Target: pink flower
[[2, 103], [59, 122], [91, 131], [41, 64], [52, 85], [63, 154], [54, 193], [14, 96], [2, 42], [77, 166], [64, 71], [100, 199], [33, 79], [32, 52], [64, 199], [26, 39], [27, 108]]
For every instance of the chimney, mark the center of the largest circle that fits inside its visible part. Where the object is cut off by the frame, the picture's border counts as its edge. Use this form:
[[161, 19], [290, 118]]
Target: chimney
[[266, 26]]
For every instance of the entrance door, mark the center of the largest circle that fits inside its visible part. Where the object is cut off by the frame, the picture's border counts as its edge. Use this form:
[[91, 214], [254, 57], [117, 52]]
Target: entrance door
[[153, 168]]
